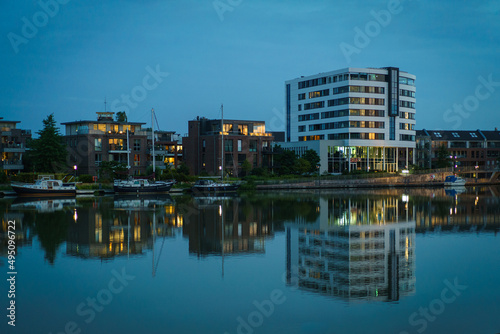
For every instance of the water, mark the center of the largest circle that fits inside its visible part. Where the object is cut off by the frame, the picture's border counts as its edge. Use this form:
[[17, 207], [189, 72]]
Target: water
[[387, 261]]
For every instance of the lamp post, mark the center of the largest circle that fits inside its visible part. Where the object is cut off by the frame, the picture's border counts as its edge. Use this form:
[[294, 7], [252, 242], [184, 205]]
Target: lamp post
[[319, 180], [75, 167]]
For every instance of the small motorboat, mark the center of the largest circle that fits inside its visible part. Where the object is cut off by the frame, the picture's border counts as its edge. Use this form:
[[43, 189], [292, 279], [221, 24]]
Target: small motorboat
[[454, 181], [46, 185]]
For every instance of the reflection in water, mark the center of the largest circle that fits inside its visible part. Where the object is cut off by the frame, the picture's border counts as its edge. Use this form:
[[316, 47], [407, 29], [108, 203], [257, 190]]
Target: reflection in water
[[128, 229], [225, 226], [328, 236], [359, 249]]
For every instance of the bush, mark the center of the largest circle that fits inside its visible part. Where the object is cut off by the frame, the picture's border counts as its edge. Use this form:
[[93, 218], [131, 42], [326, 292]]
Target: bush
[[85, 178], [3, 177]]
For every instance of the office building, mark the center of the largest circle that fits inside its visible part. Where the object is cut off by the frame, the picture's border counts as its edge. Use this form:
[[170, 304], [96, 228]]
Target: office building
[[354, 118]]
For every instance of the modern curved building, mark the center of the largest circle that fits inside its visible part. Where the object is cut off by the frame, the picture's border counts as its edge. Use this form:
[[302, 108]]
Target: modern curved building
[[354, 118]]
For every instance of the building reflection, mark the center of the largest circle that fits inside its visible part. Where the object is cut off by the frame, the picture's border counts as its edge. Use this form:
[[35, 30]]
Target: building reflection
[[359, 249], [128, 230], [226, 226]]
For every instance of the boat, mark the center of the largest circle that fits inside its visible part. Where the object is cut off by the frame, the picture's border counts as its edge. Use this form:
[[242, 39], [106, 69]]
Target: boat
[[454, 181], [210, 187], [46, 185], [141, 186]]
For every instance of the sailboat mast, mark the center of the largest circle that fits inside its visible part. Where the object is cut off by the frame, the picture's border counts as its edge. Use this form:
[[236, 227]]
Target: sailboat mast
[[153, 140], [222, 144], [128, 150]]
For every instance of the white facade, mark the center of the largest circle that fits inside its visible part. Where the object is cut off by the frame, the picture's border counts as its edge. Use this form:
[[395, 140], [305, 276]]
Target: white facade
[[356, 110]]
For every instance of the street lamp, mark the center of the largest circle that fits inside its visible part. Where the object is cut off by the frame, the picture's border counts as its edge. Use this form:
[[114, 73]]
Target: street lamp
[[75, 167], [319, 180]]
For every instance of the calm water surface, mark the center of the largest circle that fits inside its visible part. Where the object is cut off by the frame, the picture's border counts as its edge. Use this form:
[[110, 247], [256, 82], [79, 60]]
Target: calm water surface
[[388, 261]]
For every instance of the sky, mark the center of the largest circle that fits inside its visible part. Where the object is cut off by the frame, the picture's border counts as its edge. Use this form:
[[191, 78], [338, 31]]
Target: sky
[[186, 58]]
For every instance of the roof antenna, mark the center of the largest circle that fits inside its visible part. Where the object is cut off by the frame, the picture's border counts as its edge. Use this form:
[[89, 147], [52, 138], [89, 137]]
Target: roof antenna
[[105, 109]]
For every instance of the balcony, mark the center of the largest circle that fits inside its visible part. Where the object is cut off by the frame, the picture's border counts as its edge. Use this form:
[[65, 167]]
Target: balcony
[[113, 148], [13, 148], [12, 165]]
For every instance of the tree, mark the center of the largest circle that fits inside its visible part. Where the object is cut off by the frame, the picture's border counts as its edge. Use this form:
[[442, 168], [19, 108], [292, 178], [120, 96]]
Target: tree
[[285, 162], [121, 116], [112, 169], [313, 158], [246, 167], [48, 152], [302, 166], [443, 157]]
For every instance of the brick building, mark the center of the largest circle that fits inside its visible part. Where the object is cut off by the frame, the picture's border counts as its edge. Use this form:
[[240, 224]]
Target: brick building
[[243, 140], [13, 146], [466, 148]]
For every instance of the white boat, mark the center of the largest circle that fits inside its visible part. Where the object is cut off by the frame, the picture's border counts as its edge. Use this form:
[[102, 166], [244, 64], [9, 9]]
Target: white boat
[[46, 185], [454, 181]]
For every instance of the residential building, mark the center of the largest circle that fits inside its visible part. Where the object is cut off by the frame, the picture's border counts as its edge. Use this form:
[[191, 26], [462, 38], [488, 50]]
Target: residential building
[[91, 142], [168, 148], [469, 148], [354, 118], [13, 146], [243, 140]]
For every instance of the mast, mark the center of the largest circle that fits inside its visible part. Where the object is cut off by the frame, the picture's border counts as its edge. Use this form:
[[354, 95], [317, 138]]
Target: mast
[[128, 151], [222, 144], [153, 140]]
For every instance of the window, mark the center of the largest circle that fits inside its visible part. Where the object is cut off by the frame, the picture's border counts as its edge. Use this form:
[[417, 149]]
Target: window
[[302, 128], [300, 107], [241, 158], [473, 135], [253, 146], [228, 145], [137, 144], [239, 145], [228, 159], [302, 96], [137, 160], [228, 128], [437, 134], [98, 159], [455, 134], [98, 144], [243, 129]]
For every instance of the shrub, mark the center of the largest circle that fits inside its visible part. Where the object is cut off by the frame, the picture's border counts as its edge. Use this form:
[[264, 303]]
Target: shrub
[[85, 178]]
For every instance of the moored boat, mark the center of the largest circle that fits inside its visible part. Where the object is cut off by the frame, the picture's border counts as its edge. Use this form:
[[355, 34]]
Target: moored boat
[[141, 186], [45, 186], [209, 186], [454, 181]]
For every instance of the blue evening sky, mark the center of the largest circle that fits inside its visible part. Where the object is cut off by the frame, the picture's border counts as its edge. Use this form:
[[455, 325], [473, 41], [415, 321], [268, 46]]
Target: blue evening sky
[[240, 52]]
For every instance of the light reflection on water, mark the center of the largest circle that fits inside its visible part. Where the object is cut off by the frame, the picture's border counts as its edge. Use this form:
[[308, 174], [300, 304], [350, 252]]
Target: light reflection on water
[[294, 262]]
